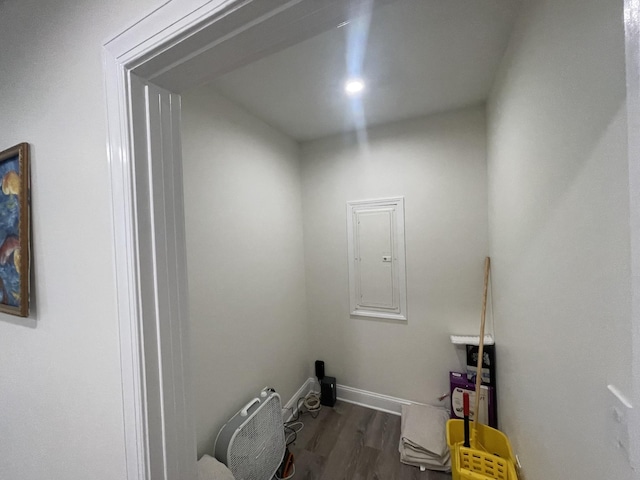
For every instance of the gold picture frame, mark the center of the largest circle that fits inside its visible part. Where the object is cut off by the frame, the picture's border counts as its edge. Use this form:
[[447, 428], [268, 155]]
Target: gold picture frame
[[15, 242]]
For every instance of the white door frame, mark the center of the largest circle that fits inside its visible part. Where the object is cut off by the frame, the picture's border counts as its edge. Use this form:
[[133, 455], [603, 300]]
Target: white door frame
[[146, 190], [632, 47], [145, 159], [148, 219]]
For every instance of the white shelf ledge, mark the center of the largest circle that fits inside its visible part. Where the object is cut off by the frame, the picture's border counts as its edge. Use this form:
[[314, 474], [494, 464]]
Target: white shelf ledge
[[471, 340]]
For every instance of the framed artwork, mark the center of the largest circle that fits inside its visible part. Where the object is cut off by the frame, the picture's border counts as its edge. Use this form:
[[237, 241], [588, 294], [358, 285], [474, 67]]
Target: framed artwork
[[14, 230]]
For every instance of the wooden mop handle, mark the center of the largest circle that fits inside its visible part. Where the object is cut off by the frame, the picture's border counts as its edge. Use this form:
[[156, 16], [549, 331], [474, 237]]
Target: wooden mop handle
[[476, 411]]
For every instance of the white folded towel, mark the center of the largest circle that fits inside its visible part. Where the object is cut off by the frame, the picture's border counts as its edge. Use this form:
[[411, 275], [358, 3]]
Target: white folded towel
[[423, 437], [211, 469], [424, 427]]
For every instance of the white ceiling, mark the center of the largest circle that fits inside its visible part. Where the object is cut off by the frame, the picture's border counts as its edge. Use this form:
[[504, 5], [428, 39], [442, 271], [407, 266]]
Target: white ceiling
[[421, 57]]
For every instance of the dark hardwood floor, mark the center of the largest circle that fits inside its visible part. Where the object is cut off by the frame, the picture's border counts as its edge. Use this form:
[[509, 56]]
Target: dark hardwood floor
[[350, 442]]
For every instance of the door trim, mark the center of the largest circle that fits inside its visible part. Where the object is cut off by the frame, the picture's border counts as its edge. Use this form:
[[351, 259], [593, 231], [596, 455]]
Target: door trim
[[148, 226], [632, 47], [146, 200]]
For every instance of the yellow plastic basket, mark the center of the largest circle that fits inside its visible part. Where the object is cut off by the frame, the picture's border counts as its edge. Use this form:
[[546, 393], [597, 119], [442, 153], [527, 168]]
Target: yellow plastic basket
[[492, 460]]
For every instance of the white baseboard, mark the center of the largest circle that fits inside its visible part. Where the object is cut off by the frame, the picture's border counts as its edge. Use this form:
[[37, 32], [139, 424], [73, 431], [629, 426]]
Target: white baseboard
[[290, 407], [376, 401]]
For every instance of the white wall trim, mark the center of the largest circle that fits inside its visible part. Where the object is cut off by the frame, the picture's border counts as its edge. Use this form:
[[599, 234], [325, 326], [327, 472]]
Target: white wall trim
[[290, 408], [356, 396], [126, 270], [632, 47], [154, 378], [376, 401]]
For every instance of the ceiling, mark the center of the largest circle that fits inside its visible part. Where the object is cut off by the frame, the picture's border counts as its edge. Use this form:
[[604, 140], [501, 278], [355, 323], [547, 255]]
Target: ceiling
[[420, 57]]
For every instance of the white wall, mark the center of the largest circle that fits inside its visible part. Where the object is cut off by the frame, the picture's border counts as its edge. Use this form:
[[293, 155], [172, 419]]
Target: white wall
[[559, 235], [439, 164], [60, 376], [245, 259]]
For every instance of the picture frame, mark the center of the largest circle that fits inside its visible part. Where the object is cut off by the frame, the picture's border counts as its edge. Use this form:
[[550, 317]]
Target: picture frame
[[15, 241]]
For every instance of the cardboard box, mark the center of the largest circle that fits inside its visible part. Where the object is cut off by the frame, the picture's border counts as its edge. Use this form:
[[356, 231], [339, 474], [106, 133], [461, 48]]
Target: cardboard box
[[488, 410]]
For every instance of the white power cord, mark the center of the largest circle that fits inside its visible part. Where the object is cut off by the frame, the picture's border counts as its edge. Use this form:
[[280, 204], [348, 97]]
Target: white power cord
[[312, 402]]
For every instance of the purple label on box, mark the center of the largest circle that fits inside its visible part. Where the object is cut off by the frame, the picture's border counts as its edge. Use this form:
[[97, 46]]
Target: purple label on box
[[460, 385]]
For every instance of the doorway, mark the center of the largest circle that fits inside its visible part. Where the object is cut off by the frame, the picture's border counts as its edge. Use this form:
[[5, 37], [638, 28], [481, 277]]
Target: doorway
[[145, 65]]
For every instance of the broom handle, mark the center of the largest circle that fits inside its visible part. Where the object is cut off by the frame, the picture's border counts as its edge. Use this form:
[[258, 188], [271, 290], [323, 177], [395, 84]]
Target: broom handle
[[487, 266]]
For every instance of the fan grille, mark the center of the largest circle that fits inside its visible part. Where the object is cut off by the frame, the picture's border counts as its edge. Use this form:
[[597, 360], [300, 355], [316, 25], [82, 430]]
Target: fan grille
[[258, 447]]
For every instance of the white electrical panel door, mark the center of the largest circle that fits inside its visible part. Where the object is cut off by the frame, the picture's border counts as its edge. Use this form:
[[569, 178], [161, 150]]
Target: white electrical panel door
[[374, 267], [377, 279]]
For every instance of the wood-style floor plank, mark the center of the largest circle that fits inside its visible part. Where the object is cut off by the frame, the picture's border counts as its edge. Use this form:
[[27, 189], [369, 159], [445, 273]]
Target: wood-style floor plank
[[350, 442], [346, 455], [309, 465], [379, 430]]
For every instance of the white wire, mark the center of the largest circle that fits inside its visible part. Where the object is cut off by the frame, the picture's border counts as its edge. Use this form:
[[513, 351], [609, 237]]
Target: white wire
[[312, 402]]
